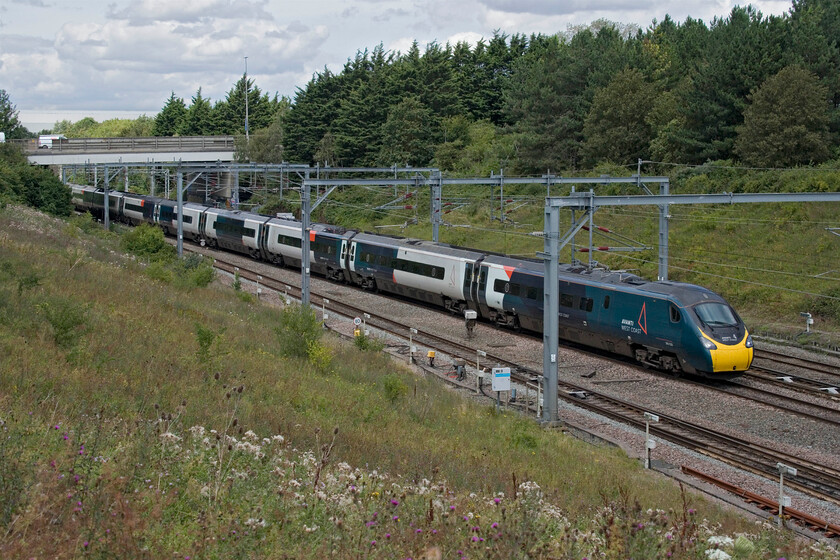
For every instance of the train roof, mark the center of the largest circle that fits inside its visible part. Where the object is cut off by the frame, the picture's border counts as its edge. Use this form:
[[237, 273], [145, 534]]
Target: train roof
[[684, 293], [419, 245]]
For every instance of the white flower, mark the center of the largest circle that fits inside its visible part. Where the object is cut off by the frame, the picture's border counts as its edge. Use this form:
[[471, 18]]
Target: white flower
[[720, 541], [255, 522], [251, 435], [717, 554], [197, 431], [169, 437]]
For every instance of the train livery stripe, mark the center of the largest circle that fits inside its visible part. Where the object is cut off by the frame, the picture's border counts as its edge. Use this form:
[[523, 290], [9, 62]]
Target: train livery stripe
[[509, 271]]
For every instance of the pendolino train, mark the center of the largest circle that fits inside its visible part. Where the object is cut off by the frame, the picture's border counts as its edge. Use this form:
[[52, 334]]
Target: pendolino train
[[672, 326]]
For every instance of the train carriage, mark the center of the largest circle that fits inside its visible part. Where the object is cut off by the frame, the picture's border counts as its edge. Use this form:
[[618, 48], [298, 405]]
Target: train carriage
[[166, 216], [281, 242], [92, 200], [233, 230], [509, 292], [432, 272], [138, 209], [329, 246]]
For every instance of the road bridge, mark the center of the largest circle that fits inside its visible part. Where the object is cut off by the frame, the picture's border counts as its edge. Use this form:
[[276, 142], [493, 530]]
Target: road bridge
[[187, 149]]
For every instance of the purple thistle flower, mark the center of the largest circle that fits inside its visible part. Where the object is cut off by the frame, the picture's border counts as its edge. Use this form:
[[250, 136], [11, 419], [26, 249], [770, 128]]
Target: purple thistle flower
[[419, 531], [372, 543], [387, 535], [86, 544], [394, 502], [497, 500], [495, 525], [395, 518], [452, 508]]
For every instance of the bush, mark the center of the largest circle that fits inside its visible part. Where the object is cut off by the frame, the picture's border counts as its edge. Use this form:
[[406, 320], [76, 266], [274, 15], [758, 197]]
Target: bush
[[67, 319], [148, 242], [368, 343], [194, 271], [86, 223], [395, 387], [299, 328]]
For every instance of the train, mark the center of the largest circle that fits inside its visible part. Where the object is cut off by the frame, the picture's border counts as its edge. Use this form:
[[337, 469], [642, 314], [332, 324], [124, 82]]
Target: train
[[675, 327]]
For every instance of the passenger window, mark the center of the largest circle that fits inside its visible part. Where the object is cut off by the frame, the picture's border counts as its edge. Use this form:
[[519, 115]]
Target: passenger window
[[675, 314], [566, 300], [586, 304], [606, 302]]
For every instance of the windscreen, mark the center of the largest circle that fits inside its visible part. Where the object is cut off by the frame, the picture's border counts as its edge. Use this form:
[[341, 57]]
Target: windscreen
[[716, 315]]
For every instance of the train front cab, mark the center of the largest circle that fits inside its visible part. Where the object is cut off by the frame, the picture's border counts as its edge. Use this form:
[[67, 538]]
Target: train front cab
[[727, 359], [727, 345]]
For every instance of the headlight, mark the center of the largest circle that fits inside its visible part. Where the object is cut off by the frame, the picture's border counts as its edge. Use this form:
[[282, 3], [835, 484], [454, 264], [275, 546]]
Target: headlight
[[708, 344], [749, 342]]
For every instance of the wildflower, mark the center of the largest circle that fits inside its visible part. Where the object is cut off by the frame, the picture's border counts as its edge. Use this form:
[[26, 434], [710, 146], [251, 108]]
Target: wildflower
[[418, 531], [387, 535], [394, 502], [395, 518], [86, 544], [372, 543], [497, 501], [495, 525]]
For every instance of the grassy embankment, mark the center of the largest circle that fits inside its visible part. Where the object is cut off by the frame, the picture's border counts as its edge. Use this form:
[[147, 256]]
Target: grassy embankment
[[771, 261], [145, 417]]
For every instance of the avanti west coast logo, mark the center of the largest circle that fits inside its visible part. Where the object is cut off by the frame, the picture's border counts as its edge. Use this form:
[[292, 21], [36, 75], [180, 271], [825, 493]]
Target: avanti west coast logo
[[636, 327]]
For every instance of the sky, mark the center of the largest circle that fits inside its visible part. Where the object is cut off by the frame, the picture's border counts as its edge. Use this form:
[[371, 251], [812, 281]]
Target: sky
[[68, 59]]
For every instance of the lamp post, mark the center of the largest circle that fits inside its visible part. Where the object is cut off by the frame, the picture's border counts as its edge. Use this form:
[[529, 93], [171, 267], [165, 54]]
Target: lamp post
[[246, 99]]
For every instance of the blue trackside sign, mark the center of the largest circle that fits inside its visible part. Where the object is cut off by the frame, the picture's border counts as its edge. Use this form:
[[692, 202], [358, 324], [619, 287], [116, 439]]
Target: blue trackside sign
[[501, 379]]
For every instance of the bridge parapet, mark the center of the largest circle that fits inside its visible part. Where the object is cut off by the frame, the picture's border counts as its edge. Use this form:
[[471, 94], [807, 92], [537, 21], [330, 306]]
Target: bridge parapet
[[132, 145]]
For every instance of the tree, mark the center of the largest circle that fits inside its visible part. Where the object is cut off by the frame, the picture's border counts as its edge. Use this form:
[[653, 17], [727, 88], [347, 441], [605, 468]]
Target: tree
[[407, 134], [266, 144], [9, 122], [742, 51], [616, 128], [315, 108], [787, 123], [199, 118], [170, 119]]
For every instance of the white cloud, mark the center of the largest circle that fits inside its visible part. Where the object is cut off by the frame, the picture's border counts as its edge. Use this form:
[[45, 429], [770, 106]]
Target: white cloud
[[130, 54]]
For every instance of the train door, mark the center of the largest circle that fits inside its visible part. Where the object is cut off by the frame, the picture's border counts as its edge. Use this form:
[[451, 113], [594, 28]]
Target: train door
[[202, 226], [467, 286], [352, 262], [480, 290]]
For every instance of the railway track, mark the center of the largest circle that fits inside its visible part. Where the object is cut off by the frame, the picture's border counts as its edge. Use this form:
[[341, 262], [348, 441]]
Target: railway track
[[813, 479], [800, 374]]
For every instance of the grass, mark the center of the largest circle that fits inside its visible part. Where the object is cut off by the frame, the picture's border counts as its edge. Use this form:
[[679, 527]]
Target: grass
[[146, 418]]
